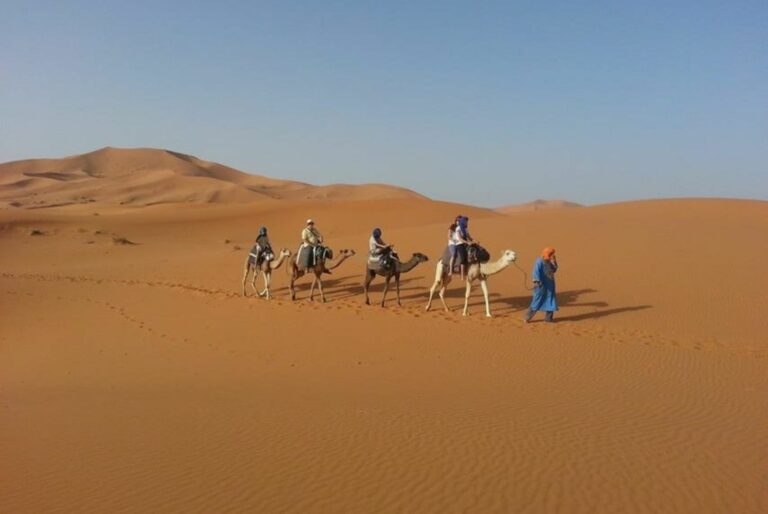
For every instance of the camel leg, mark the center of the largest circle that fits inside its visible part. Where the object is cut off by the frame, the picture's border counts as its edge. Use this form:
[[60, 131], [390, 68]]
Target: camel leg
[[292, 286], [446, 279], [442, 297], [484, 287], [431, 294], [245, 278], [466, 298], [438, 281], [441, 282], [312, 289], [267, 280], [387, 278], [253, 281], [320, 287], [397, 286], [263, 291], [366, 283]]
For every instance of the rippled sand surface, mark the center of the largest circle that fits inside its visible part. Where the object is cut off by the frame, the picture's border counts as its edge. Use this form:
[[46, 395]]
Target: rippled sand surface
[[136, 378]]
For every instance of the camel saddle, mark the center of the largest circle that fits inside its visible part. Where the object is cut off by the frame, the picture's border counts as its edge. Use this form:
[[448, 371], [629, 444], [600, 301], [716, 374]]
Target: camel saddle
[[383, 262], [465, 254], [309, 256], [477, 254], [266, 254]]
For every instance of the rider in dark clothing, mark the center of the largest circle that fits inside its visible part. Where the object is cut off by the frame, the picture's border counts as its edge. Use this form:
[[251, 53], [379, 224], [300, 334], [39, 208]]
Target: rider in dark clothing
[[263, 247]]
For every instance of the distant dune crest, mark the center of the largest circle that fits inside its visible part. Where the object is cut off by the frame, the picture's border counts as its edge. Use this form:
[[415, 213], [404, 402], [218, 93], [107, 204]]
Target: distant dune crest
[[146, 176], [537, 205]]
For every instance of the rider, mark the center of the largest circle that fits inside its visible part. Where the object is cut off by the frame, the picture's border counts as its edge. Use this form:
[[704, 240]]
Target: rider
[[462, 240], [310, 237], [379, 250], [452, 243], [263, 247]]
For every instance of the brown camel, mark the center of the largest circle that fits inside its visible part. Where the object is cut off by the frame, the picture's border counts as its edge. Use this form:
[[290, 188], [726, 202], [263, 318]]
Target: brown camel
[[476, 272], [394, 270], [316, 270], [265, 267]]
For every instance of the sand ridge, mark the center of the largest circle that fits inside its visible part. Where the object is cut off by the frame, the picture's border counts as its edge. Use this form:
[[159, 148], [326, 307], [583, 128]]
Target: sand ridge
[[537, 205]]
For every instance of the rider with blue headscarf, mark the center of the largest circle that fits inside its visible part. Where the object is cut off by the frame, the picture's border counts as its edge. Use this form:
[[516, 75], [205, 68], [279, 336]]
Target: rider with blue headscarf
[[460, 239]]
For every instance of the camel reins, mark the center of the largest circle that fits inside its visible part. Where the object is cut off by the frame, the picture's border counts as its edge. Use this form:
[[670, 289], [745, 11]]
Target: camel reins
[[525, 276]]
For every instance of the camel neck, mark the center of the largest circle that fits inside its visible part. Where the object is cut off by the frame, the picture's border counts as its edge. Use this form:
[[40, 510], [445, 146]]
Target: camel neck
[[276, 264], [338, 263], [491, 268], [405, 267]]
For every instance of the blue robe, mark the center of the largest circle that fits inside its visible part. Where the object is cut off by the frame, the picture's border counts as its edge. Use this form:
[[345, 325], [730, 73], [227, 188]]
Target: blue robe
[[544, 298]]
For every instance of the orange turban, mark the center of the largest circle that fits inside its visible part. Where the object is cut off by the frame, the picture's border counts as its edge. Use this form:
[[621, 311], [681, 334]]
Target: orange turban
[[547, 253]]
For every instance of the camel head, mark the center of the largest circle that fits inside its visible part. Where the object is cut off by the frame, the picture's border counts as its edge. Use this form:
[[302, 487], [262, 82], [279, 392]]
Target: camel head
[[509, 256], [346, 253], [420, 257], [276, 263]]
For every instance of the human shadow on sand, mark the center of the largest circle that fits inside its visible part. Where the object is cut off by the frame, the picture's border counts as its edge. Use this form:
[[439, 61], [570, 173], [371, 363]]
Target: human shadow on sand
[[572, 299], [602, 313], [564, 298]]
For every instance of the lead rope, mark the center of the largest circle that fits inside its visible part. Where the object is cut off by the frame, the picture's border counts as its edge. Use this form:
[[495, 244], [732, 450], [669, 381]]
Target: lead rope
[[525, 277]]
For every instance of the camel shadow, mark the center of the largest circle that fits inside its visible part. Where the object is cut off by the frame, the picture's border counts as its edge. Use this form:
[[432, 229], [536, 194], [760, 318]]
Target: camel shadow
[[572, 298], [348, 286], [304, 284], [376, 287], [451, 292]]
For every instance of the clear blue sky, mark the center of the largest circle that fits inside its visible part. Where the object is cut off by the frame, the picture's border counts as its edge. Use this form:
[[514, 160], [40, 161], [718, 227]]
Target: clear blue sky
[[481, 102]]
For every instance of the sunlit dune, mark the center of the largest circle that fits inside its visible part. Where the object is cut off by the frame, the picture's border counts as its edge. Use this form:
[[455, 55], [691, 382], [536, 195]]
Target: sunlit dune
[[148, 176], [537, 205]]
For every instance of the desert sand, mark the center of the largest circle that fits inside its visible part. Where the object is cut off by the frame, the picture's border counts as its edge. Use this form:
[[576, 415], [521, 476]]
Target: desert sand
[[134, 377]]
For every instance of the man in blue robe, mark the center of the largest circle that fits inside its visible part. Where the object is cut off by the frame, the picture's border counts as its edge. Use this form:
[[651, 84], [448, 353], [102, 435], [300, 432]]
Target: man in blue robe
[[544, 298]]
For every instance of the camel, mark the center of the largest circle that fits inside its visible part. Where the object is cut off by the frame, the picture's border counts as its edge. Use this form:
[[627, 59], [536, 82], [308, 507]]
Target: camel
[[317, 271], [393, 271], [476, 271], [265, 267]]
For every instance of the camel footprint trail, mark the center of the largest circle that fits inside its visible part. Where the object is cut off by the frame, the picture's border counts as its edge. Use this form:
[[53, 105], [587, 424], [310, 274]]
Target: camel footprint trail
[[507, 325]]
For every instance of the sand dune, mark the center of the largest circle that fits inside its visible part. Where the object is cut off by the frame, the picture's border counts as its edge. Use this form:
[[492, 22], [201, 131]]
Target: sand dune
[[537, 205], [135, 378], [148, 176]]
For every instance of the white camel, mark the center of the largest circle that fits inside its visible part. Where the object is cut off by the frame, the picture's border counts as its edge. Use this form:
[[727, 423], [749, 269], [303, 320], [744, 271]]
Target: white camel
[[265, 267], [479, 272]]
